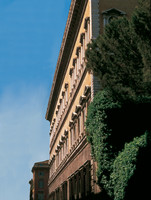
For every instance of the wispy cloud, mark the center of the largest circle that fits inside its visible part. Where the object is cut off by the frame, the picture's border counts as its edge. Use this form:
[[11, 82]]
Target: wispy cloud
[[24, 138]]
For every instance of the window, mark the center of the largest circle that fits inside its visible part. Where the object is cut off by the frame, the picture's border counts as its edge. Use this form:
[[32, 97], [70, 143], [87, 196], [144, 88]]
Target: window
[[82, 41], [78, 53], [109, 15], [66, 93], [87, 28], [57, 160], [83, 119], [74, 132], [41, 184], [67, 145], [75, 72], [79, 124], [40, 173], [40, 196], [71, 136]]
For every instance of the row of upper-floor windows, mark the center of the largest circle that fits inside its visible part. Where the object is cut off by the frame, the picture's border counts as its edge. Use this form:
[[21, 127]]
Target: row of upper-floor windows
[[79, 59], [68, 141], [40, 196], [75, 73], [71, 137]]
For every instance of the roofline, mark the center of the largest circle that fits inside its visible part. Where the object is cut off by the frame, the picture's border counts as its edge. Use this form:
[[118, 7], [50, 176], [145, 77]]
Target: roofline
[[66, 46], [45, 165]]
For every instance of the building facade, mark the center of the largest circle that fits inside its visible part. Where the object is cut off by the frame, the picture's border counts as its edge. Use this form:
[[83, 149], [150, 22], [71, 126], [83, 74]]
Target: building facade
[[72, 172], [39, 183]]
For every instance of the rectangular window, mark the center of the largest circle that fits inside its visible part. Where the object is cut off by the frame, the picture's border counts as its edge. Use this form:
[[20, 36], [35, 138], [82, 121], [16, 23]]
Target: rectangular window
[[67, 145], [71, 136], [79, 119], [40, 173], [41, 184], [74, 137], [83, 119], [66, 95], [83, 55], [40, 196]]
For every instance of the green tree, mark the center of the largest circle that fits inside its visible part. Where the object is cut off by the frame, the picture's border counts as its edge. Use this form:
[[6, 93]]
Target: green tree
[[120, 57], [141, 24]]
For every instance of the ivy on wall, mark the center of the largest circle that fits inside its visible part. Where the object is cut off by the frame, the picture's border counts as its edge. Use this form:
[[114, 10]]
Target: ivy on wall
[[107, 138], [125, 165]]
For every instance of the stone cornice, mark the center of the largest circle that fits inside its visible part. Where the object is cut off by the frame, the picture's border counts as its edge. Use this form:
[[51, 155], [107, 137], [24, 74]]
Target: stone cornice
[[72, 26]]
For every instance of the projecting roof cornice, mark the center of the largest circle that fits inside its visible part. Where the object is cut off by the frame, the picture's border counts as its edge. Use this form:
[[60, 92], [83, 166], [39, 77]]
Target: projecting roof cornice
[[75, 15]]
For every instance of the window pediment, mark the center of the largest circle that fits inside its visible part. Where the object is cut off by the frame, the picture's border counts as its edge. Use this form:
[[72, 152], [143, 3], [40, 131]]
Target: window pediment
[[110, 14], [66, 132], [82, 36], [82, 98], [66, 85], [70, 123], [74, 115], [87, 20], [62, 138], [71, 71], [78, 50], [113, 11], [87, 90], [78, 107], [74, 61]]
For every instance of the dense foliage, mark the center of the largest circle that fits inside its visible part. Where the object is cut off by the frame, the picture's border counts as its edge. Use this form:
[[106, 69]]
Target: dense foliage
[[110, 124], [125, 165], [99, 135], [121, 58]]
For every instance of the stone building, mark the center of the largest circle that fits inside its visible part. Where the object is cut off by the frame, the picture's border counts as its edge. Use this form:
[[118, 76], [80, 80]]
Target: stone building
[[72, 169], [39, 183]]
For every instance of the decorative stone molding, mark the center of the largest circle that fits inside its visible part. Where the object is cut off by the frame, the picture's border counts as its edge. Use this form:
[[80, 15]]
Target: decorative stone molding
[[56, 150], [78, 50], [53, 121], [71, 71], [74, 115], [62, 138], [113, 11], [82, 98], [63, 93], [70, 123], [58, 147], [74, 61], [87, 90], [82, 36], [66, 85], [87, 20], [109, 14], [60, 143], [78, 108], [66, 132]]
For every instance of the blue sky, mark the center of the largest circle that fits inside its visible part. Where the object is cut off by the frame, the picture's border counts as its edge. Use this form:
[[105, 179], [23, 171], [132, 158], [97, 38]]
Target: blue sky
[[31, 32]]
